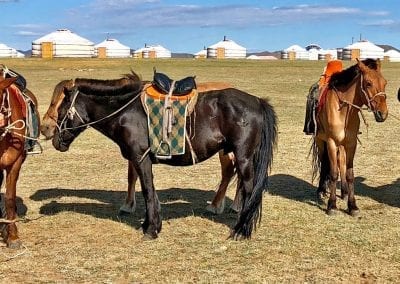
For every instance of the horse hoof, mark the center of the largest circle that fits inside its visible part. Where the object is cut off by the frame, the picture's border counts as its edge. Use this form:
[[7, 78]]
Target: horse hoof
[[354, 213], [332, 212], [214, 210], [14, 244], [235, 208], [126, 210], [149, 237]]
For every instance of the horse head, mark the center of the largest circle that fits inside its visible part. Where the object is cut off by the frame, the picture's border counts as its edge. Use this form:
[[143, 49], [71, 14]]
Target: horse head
[[69, 120], [373, 88], [49, 121]]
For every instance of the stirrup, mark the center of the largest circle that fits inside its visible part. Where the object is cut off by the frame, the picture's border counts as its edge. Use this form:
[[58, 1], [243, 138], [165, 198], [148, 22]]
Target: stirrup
[[36, 149]]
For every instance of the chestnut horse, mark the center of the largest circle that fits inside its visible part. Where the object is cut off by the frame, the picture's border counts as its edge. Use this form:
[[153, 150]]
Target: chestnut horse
[[338, 126], [48, 126], [13, 153], [229, 120]]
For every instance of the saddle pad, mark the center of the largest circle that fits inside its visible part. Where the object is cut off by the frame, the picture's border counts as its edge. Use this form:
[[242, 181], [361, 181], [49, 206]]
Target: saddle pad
[[176, 143]]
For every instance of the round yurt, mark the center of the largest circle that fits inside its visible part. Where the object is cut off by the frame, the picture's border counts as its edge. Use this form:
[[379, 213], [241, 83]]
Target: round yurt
[[62, 43], [111, 48], [226, 49], [201, 54], [362, 50], [6, 51], [152, 51], [295, 52], [392, 55]]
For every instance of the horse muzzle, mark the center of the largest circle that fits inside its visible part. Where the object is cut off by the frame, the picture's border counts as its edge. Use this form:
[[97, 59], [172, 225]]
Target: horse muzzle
[[380, 116]]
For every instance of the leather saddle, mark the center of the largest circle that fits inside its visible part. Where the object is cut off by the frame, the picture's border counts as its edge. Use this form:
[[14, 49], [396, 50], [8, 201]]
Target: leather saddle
[[8, 73], [180, 88]]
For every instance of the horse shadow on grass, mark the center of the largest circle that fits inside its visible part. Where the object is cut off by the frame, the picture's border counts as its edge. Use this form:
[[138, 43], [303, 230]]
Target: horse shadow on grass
[[175, 203], [299, 190]]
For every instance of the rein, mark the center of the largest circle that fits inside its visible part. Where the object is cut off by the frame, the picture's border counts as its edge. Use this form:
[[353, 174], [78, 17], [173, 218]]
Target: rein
[[72, 112]]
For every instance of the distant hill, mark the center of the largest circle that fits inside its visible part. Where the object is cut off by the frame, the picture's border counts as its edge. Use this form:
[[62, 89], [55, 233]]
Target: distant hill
[[27, 53], [182, 55], [387, 47], [276, 54]]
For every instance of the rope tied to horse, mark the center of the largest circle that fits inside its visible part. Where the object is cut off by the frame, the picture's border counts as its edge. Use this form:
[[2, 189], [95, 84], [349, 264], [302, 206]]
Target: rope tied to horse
[[72, 112]]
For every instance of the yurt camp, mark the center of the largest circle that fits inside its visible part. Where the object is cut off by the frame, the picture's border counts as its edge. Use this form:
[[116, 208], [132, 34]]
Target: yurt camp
[[152, 51], [6, 51], [62, 43], [362, 50], [226, 48], [111, 48]]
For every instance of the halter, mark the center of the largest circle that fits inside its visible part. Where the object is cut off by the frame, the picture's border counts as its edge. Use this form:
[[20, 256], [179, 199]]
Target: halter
[[72, 112]]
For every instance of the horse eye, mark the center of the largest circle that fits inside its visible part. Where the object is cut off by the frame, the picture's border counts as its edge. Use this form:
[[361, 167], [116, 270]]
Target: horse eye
[[368, 84]]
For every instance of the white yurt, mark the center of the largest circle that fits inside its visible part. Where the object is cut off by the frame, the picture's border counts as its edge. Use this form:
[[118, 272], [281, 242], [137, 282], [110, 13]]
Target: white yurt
[[62, 43], [111, 48], [152, 51], [392, 55], [226, 49], [295, 52], [6, 51], [362, 50], [201, 54]]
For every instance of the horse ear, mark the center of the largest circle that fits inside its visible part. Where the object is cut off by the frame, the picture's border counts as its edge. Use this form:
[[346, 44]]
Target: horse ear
[[378, 64], [7, 82], [361, 65]]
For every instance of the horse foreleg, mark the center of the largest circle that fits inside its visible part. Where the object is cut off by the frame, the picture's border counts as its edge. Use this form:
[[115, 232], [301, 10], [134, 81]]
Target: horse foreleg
[[333, 176], [10, 231], [130, 201], [227, 172], [342, 168], [351, 202], [324, 170], [152, 222]]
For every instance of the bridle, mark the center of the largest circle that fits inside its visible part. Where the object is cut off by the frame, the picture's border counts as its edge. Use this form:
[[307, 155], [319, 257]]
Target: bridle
[[72, 112]]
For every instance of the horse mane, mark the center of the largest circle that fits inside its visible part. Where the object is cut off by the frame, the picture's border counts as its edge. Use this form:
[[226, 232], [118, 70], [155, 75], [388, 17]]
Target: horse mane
[[127, 84], [346, 76]]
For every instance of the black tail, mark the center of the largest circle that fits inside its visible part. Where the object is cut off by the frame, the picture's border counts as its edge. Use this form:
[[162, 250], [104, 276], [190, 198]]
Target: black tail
[[251, 212]]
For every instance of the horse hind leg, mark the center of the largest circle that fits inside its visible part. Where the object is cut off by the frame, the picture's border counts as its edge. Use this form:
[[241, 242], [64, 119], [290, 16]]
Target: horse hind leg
[[129, 205], [217, 205]]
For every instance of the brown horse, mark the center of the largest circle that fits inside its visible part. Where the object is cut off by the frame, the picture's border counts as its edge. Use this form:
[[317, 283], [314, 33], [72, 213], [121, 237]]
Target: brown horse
[[12, 154], [48, 126], [338, 126]]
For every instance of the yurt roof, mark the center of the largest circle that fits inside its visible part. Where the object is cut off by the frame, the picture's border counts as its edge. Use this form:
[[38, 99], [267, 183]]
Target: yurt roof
[[295, 47], [112, 44], [63, 36], [152, 47], [227, 44], [393, 53], [364, 45]]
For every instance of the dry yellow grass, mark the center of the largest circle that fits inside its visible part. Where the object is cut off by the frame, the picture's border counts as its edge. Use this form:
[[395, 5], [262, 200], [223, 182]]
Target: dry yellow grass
[[72, 232]]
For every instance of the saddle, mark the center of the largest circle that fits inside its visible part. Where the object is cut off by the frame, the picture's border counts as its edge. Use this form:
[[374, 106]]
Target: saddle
[[164, 84], [8, 73], [168, 103]]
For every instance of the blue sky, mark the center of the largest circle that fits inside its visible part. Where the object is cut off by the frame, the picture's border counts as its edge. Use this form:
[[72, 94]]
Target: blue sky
[[188, 26]]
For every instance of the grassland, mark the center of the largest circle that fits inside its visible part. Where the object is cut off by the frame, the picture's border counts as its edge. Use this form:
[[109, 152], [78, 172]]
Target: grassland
[[70, 201]]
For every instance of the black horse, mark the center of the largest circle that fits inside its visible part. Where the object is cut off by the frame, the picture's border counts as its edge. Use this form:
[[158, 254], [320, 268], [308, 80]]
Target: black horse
[[229, 120]]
